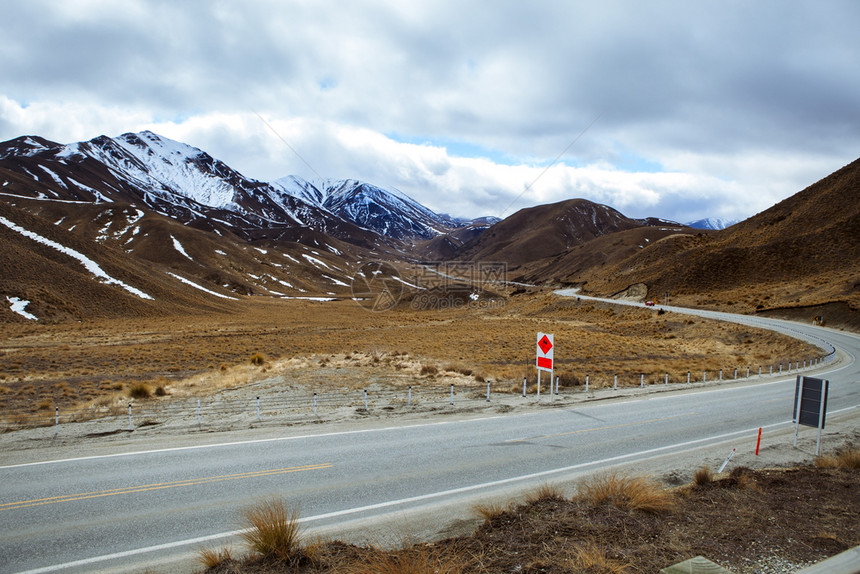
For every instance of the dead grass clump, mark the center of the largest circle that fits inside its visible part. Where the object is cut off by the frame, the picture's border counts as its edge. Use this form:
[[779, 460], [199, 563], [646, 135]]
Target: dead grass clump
[[592, 558], [545, 492], [140, 391], [211, 559], [703, 476], [844, 458], [569, 379], [489, 510], [272, 530], [429, 370], [258, 359], [627, 493], [409, 559]]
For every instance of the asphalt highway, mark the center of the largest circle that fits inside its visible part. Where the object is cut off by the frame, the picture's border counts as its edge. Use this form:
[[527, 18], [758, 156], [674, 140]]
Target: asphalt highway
[[122, 511]]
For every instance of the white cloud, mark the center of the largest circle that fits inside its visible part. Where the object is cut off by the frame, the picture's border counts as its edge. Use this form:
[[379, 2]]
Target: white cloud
[[705, 109]]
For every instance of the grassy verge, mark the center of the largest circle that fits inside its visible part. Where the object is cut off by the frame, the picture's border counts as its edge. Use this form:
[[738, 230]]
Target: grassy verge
[[747, 521]]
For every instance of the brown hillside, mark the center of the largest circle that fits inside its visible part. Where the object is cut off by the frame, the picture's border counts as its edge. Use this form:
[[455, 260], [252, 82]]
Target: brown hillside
[[139, 248], [576, 265], [803, 251], [60, 288], [445, 247], [543, 231]]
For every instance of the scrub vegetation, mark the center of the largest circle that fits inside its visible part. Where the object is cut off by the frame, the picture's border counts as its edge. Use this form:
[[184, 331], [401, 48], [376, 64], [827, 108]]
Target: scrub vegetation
[[78, 365], [747, 521]]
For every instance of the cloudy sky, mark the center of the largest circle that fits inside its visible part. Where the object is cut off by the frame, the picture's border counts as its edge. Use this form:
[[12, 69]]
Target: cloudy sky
[[674, 109]]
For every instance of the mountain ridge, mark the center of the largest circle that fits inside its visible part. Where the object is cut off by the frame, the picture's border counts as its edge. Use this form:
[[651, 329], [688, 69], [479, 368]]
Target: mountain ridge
[[713, 223], [171, 221], [536, 233], [187, 183]]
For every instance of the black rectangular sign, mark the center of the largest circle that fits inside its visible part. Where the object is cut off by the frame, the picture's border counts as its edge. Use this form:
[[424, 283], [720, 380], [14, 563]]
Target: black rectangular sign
[[814, 392]]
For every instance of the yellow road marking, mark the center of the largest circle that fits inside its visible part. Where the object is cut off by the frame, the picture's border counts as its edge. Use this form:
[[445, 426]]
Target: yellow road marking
[[158, 486], [601, 428]]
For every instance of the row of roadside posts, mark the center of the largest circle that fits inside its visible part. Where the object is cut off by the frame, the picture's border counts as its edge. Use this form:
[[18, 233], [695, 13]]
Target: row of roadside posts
[[810, 394]]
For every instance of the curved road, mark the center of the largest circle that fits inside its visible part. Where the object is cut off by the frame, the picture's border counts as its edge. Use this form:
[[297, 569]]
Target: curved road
[[125, 511]]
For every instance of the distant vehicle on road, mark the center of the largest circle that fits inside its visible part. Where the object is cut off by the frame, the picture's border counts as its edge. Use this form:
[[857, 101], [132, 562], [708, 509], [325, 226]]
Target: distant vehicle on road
[[649, 303]]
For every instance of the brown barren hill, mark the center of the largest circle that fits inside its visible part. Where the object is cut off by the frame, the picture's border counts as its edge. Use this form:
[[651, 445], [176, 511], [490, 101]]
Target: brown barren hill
[[802, 252], [536, 233]]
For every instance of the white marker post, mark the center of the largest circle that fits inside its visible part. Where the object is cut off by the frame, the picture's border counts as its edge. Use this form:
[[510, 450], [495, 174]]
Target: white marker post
[[544, 358], [725, 462]]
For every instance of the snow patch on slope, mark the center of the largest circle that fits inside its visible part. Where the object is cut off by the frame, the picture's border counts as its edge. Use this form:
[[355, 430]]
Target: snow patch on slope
[[313, 261], [335, 281], [19, 306], [88, 263], [180, 249], [54, 176], [196, 286]]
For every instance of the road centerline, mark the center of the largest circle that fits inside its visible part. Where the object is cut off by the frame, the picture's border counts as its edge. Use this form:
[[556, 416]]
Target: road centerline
[[158, 486]]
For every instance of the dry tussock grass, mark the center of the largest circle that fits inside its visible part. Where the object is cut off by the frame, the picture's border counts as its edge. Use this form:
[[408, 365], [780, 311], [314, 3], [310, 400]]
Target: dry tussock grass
[[195, 354], [272, 530], [703, 476], [140, 391], [544, 492], [627, 493], [212, 558], [490, 510], [592, 558], [848, 457]]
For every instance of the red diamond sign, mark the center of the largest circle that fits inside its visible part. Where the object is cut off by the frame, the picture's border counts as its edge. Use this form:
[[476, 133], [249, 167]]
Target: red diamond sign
[[545, 344], [544, 351]]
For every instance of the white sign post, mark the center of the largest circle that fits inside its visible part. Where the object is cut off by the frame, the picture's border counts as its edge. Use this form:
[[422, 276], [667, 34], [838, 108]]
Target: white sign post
[[544, 357], [810, 407]]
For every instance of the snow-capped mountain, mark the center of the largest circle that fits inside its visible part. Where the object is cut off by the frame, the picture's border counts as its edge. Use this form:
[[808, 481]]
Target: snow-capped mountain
[[388, 212], [140, 224], [715, 223], [189, 185]]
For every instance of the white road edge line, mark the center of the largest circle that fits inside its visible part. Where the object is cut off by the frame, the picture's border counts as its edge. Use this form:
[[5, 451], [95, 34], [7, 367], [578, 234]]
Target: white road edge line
[[423, 497]]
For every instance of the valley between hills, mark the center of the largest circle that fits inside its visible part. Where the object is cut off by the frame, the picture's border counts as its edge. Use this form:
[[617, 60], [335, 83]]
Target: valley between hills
[[140, 260], [140, 270]]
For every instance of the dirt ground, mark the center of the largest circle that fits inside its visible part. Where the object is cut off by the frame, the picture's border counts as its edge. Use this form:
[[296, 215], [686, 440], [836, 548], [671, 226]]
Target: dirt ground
[[98, 364]]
